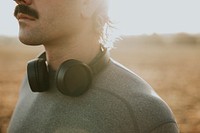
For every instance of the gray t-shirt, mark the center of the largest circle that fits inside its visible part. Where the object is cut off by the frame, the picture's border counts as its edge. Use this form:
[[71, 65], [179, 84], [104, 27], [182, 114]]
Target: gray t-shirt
[[118, 101]]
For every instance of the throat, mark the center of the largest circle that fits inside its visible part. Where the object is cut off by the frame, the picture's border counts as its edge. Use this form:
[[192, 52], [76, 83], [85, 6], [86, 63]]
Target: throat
[[84, 53]]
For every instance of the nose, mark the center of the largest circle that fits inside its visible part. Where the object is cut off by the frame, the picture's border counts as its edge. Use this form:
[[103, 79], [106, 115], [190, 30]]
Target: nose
[[25, 2]]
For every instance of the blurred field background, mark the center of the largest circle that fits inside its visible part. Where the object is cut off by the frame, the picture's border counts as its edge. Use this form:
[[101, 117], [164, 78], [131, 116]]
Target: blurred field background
[[169, 63]]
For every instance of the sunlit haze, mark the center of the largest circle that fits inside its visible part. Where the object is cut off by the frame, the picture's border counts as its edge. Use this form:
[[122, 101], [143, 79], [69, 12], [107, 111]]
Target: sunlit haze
[[132, 16]]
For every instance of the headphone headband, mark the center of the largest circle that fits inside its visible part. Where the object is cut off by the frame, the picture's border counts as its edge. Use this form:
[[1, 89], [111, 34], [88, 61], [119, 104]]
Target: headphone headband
[[101, 59]]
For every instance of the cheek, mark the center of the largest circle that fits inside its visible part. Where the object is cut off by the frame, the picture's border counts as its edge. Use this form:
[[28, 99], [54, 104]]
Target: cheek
[[56, 21], [59, 20]]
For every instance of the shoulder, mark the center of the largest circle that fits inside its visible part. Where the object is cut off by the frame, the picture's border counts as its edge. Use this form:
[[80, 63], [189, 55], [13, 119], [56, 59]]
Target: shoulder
[[117, 78], [146, 108]]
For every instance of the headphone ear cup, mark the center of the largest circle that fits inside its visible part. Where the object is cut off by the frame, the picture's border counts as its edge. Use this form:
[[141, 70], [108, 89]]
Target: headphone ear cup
[[38, 75], [73, 78]]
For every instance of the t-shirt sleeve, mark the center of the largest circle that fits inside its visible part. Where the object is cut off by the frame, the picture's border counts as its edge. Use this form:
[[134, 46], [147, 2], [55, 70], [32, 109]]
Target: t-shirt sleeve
[[166, 128]]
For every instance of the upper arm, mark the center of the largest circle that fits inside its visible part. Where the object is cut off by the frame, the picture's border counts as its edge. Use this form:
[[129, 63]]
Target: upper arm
[[166, 128]]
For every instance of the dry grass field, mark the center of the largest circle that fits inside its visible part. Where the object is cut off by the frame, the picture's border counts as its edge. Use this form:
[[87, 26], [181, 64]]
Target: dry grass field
[[172, 70]]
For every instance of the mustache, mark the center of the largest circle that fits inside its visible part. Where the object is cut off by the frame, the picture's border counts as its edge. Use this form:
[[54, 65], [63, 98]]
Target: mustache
[[26, 10]]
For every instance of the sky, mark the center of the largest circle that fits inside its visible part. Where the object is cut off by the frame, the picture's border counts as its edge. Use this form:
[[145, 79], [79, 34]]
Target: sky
[[131, 17]]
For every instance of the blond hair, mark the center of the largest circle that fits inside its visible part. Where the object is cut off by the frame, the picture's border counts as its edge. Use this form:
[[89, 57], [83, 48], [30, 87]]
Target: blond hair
[[102, 24]]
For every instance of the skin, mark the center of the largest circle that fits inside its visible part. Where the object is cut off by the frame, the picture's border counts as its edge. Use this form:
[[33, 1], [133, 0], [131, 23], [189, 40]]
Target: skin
[[64, 28]]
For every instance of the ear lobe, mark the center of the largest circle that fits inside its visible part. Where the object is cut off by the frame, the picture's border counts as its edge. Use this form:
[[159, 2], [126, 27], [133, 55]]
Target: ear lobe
[[89, 8]]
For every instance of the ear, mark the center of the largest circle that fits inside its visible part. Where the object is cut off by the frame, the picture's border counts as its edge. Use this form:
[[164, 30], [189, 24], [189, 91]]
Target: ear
[[89, 7]]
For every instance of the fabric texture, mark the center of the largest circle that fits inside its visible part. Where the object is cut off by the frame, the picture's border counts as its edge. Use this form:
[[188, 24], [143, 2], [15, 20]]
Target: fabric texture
[[118, 101]]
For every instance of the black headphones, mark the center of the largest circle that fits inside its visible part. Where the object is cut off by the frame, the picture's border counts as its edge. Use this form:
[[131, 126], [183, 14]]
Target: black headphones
[[73, 77]]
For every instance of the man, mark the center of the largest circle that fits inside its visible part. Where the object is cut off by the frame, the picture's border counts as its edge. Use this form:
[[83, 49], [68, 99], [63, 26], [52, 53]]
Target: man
[[74, 87]]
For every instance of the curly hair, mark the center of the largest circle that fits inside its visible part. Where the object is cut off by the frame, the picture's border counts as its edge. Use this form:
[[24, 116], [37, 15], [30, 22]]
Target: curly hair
[[102, 24]]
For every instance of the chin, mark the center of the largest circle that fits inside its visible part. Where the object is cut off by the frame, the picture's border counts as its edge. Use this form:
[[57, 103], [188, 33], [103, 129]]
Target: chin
[[29, 41]]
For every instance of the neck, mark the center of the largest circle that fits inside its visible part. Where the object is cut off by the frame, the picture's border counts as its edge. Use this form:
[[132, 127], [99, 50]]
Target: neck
[[81, 47]]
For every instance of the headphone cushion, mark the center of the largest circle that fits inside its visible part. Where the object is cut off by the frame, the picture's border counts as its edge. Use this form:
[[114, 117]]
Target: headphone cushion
[[73, 78], [38, 75]]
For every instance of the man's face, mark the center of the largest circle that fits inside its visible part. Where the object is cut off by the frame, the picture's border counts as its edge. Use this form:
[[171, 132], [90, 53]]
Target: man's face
[[50, 21]]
